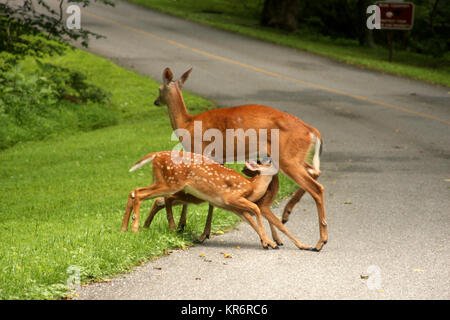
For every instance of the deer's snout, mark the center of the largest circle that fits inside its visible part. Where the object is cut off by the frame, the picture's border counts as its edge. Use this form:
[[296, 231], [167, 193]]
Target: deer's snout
[[156, 103]]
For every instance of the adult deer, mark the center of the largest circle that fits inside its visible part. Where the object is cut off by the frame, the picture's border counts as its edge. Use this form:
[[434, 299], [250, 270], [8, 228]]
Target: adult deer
[[294, 139], [175, 171]]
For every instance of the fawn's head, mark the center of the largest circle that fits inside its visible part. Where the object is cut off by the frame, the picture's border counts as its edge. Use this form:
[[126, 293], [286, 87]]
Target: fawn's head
[[263, 166], [170, 86]]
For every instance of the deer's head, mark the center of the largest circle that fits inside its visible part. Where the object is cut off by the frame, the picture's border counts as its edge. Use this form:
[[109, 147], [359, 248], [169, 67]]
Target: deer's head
[[169, 86]]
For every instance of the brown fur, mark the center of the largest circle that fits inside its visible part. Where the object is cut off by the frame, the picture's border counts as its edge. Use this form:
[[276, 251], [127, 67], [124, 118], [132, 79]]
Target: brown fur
[[294, 138], [222, 186]]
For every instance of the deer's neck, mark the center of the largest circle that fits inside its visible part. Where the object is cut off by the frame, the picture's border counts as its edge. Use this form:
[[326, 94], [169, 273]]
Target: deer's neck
[[179, 116], [260, 184]]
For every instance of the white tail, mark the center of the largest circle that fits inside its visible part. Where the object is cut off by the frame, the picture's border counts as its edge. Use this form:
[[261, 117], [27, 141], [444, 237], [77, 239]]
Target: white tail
[[316, 157], [148, 158]]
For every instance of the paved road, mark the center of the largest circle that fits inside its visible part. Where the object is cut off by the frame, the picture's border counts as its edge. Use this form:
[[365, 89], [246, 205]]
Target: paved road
[[385, 165]]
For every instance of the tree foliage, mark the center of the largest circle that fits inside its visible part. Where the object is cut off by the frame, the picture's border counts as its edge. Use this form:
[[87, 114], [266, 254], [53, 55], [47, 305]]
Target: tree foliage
[[347, 19], [21, 19]]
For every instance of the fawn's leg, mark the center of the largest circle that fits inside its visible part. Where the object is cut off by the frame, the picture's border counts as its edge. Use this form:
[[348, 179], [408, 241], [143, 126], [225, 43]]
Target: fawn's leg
[[246, 206], [126, 216], [274, 232], [182, 222], [141, 194], [169, 213], [207, 230], [156, 207], [265, 243], [274, 221]]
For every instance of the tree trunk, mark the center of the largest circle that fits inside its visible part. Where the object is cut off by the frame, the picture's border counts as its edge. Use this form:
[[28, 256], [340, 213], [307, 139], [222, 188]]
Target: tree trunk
[[281, 14], [365, 35]]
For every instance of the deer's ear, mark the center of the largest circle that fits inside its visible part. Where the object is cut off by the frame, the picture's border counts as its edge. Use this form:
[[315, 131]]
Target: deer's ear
[[167, 76], [251, 165], [185, 76]]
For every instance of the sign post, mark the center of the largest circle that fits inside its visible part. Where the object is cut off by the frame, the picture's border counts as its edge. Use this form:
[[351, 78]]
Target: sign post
[[395, 16]]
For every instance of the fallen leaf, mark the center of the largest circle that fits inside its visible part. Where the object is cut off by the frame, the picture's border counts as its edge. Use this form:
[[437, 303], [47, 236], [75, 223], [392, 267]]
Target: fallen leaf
[[202, 255], [347, 202], [198, 278], [226, 255], [364, 276], [380, 291], [157, 268], [237, 247], [418, 270], [219, 232]]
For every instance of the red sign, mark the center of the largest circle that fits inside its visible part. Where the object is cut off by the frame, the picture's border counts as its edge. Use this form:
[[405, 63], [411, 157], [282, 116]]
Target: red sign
[[396, 15]]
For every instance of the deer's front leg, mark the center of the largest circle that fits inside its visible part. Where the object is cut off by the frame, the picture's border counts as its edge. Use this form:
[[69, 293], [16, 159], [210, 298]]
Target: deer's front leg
[[275, 236], [207, 230], [246, 206]]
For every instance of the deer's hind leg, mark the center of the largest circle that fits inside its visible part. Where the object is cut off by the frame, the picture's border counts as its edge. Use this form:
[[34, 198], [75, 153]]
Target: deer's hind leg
[[299, 193], [126, 216], [301, 176], [141, 194]]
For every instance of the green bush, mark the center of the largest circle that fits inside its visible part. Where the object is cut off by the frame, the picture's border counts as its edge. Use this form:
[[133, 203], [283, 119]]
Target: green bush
[[51, 100], [71, 85]]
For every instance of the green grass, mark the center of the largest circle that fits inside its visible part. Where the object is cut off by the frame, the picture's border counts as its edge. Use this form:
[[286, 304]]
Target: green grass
[[63, 198], [242, 17]]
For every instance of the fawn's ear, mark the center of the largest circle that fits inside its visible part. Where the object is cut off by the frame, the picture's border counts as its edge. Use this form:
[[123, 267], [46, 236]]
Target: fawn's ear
[[251, 165], [185, 76], [167, 76]]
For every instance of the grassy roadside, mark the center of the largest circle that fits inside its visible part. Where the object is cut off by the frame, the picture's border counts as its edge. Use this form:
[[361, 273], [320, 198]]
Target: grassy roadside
[[63, 198], [242, 18]]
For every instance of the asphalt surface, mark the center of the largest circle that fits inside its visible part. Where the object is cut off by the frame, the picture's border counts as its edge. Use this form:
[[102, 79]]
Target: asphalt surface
[[385, 164]]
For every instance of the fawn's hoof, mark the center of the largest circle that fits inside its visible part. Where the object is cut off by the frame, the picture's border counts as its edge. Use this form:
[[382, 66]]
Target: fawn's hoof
[[268, 244], [279, 243]]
